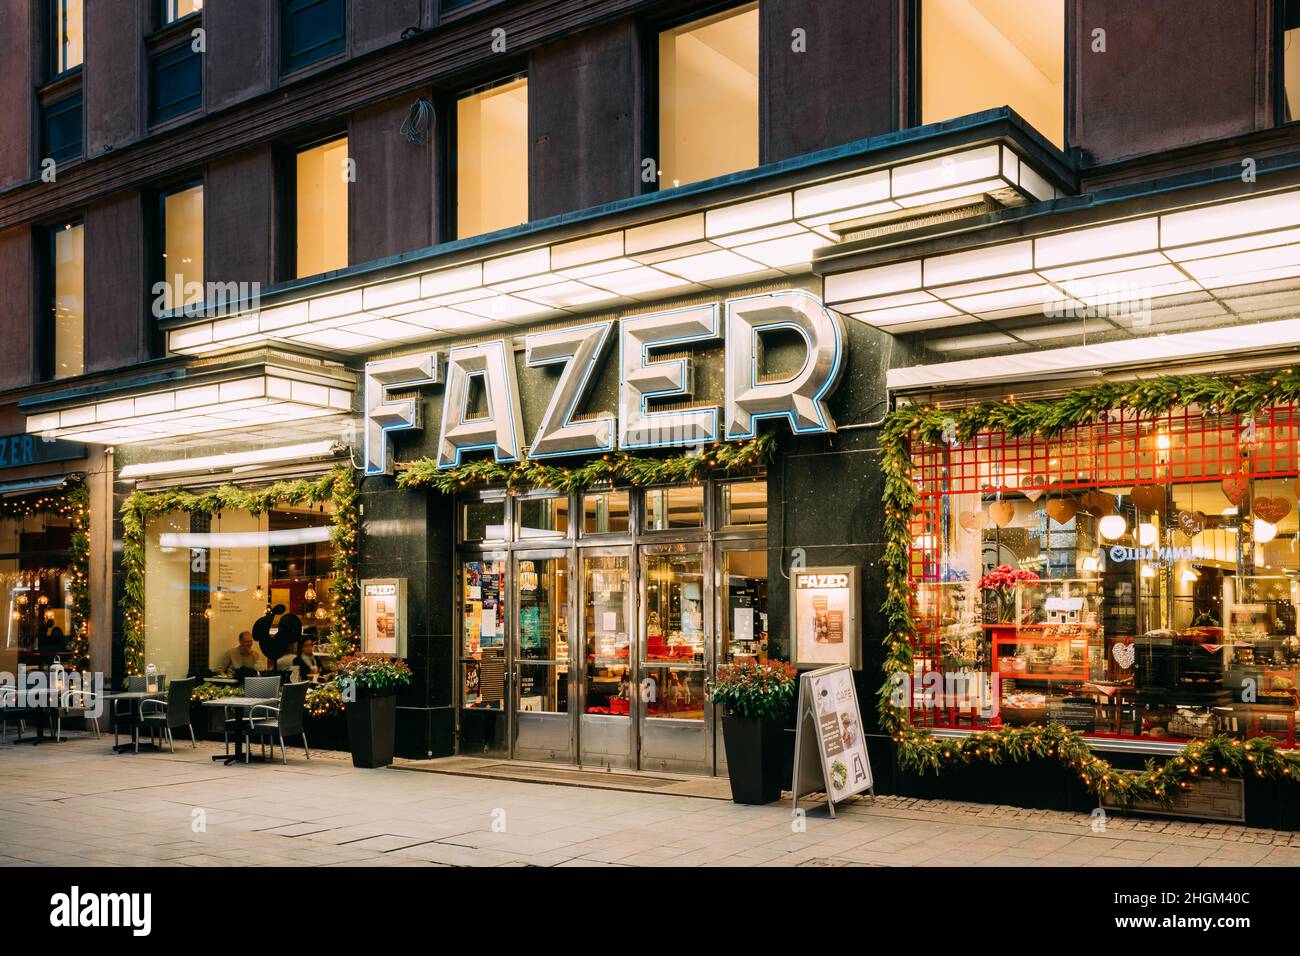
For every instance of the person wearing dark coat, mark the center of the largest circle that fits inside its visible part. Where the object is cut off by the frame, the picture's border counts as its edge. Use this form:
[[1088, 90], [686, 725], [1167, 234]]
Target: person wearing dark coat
[[268, 642], [289, 634]]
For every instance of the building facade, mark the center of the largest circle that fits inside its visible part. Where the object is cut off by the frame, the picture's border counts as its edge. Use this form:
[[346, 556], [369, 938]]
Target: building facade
[[543, 344]]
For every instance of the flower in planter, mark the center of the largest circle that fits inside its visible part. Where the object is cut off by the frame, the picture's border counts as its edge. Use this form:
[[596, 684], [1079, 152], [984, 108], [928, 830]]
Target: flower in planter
[[376, 676], [324, 700], [762, 691], [1003, 581]]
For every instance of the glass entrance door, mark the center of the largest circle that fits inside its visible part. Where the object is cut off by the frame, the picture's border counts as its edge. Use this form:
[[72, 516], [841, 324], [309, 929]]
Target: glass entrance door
[[608, 686], [675, 657], [482, 690], [742, 614], [543, 725]]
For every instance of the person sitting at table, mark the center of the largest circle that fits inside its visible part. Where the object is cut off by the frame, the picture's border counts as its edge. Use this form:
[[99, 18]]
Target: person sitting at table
[[309, 668], [241, 656]]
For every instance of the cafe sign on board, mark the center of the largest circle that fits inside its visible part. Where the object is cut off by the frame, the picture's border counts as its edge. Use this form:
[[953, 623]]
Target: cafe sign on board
[[646, 375]]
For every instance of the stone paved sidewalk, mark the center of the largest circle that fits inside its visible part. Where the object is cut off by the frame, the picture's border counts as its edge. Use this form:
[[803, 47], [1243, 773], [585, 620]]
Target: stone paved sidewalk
[[146, 810]]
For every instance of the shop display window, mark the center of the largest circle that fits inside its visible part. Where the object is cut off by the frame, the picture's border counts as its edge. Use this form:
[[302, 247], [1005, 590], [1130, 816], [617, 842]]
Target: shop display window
[[607, 642], [606, 512], [542, 634], [676, 507], [743, 503], [210, 577], [483, 630], [543, 517], [1134, 578], [482, 520], [36, 588]]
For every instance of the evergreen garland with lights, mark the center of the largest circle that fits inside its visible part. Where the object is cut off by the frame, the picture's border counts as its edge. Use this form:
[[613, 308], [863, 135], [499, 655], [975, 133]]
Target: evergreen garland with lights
[[612, 468], [920, 751], [71, 502], [337, 487]]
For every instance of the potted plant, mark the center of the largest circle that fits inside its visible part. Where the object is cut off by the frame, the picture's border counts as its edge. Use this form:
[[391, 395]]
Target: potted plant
[[369, 687], [1001, 583], [754, 699]]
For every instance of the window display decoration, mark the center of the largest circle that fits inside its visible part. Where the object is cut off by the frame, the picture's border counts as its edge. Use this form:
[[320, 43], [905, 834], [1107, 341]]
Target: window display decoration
[[338, 487], [720, 457], [920, 751], [71, 502]]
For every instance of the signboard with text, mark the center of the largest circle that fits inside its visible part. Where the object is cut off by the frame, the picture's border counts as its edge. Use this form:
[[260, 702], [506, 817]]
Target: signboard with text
[[824, 617], [19, 450], [830, 747], [383, 617]]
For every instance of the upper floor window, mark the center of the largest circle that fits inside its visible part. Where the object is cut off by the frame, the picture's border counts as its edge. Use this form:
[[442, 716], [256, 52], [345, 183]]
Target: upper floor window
[[322, 174], [1290, 61], [61, 129], [175, 83], [708, 97], [977, 55], [66, 35], [311, 30], [173, 10], [67, 286], [492, 159], [182, 247]]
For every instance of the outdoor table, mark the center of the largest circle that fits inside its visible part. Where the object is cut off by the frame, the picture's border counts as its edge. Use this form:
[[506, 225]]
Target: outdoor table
[[136, 697], [244, 705], [43, 721]]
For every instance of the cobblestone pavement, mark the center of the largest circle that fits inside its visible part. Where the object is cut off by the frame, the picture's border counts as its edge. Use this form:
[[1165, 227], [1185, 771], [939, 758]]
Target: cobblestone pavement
[[157, 809]]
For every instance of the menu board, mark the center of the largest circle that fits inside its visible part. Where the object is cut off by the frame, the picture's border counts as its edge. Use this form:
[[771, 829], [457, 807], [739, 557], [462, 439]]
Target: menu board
[[830, 746], [383, 617], [824, 616]]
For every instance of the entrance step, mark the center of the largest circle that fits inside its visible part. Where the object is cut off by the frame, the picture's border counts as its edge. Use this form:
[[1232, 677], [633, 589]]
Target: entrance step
[[678, 785]]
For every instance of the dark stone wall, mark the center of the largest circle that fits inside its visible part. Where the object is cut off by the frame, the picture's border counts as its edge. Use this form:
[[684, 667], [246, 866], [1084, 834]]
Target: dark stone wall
[[17, 119], [391, 204], [239, 222], [112, 75], [241, 58], [117, 333], [18, 306]]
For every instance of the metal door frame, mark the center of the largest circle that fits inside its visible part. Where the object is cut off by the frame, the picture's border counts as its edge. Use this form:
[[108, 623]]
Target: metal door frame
[[631, 610], [721, 545], [513, 663]]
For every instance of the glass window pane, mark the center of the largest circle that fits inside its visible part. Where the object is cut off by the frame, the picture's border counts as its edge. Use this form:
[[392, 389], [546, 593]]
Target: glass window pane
[[542, 589], [668, 508], [67, 29], [69, 301], [175, 9], [183, 248], [744, 504], [483, 521], [744, 617], [674, 693], [544, 688], [674, 615], [977, 56], [1291, 60], [708, 98], [483, 642], [543, 517], [606, 512], [322, 223], [606, 631], [492, 159], [35, 588]]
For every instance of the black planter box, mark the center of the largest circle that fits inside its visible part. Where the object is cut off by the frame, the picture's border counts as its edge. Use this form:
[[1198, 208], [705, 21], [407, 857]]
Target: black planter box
[[754, 758], [372, 726]]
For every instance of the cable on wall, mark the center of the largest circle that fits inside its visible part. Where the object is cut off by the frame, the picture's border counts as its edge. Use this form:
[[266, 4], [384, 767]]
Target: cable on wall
[[418, 123]]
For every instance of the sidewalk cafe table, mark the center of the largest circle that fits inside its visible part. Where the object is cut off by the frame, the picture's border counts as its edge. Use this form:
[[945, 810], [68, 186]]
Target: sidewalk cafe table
[[243, 705], [136, 697]]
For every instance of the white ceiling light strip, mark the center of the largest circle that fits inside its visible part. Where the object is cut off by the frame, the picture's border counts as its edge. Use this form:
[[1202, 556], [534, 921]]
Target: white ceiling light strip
[[284, 454], [1206, 255], [754, 240]]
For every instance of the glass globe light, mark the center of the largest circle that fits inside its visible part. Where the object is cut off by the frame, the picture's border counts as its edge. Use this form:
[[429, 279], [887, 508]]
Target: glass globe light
[[1265, 531], [1112, 527]]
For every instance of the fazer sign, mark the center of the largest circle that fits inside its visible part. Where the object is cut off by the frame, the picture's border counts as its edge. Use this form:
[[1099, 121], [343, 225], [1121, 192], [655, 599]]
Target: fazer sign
[[645, 373]]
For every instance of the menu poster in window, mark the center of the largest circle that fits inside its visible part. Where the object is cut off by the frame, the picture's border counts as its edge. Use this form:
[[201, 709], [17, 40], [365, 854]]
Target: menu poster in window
[[471, 683], [383, 617], [824, 609], [830, 747]]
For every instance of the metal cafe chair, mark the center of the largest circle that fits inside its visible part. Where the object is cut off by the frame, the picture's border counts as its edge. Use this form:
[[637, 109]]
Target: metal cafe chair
[[9, 708], [171, 713], [260, 687], [76, 703], [287, 722], [136, 684]]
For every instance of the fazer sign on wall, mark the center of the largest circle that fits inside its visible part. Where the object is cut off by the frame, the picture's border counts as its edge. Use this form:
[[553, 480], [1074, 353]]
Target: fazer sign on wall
[[645, 374]]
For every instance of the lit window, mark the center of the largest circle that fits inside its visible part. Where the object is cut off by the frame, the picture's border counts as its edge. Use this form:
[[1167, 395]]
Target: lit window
[[492, 159], [979, 54], [322, 225], [680, 507], [173, 10], [708, 97], [744, 503], [1291, 60], [543, 517], [69, 284], [605, 512], [66, 22], [183, 247]]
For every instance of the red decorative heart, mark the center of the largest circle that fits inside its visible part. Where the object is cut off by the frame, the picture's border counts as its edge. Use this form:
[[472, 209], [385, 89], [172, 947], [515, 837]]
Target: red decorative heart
[[1062, 509], [1235, 489], [1148, 497], [1099, 503], [1272, 510]]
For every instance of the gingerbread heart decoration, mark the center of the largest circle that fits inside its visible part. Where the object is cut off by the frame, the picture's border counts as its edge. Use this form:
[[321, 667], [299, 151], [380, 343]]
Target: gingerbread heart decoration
[[1124, 654], [1002, 512], [1272, 510], [1062, 510], [1191, 523], [1235, 489], [972, 521], [1148, 497], [1033, 486], [1099, 503]]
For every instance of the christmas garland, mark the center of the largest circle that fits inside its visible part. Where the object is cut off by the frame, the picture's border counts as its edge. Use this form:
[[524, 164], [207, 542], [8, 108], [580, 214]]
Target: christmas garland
[[613, 468], [337, 487], [919, 750], [71, 502]]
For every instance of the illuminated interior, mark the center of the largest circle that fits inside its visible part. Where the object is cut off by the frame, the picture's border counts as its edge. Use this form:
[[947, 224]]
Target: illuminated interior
[[35, 588], [183, 248], [69, 301], [981, 54], [492, 159], [322, 224], [173, 10], [67, 26], [708, 97]]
